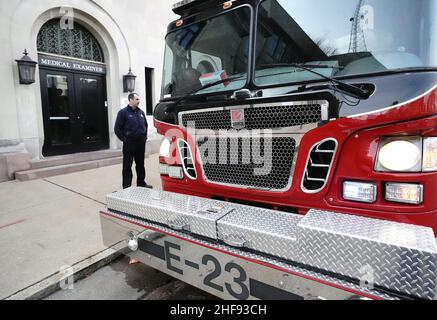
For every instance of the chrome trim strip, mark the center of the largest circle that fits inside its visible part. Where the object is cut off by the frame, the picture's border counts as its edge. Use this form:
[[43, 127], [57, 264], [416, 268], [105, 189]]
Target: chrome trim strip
[[182, 158], [246, 133], [330, 166], [402, 104]]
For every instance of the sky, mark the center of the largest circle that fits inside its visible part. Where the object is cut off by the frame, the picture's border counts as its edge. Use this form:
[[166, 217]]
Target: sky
[[327, 11], [391, 20], [316, 21]]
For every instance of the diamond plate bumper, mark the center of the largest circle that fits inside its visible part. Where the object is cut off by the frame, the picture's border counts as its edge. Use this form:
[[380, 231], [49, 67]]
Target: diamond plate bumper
[[195, 215], [263, 230], [396, 257]]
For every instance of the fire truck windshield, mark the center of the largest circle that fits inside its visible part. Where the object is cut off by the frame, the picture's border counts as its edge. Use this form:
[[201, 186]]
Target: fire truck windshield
[[354, 38], [206, 52]]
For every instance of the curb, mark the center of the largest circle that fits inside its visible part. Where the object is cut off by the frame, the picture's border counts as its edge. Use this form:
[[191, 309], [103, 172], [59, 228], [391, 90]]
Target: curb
[[80, 270]]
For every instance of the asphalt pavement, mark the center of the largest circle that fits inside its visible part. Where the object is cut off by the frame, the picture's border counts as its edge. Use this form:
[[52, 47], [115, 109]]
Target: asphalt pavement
[[129, 282]]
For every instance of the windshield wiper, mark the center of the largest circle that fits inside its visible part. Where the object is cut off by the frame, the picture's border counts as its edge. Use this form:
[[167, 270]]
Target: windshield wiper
[[206, 86], [348, 88], [311, 66]]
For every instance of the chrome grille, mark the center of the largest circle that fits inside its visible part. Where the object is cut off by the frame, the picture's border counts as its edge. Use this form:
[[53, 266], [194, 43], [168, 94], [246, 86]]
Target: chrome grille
[[258, 117], [319, 166], [236, 161]]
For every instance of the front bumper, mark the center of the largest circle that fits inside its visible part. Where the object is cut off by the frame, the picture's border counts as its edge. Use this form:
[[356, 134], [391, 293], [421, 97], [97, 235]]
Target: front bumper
[[363, 253]]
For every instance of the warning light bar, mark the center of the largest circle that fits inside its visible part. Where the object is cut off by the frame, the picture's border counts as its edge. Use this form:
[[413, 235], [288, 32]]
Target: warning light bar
[[182, 3], [187, 7]]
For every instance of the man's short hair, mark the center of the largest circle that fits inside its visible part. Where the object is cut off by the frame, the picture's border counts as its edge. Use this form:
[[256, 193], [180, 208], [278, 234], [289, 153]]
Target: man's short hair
[[132, 96]]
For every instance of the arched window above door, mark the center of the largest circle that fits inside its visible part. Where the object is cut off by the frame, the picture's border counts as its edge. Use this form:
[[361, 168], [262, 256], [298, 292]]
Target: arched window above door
[[77, 42]]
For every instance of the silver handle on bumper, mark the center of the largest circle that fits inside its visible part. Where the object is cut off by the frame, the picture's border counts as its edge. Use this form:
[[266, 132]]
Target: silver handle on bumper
[[234, 240], [178, 224]]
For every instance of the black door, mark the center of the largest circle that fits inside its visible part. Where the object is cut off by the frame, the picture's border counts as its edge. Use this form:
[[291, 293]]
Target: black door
[[74, 111]]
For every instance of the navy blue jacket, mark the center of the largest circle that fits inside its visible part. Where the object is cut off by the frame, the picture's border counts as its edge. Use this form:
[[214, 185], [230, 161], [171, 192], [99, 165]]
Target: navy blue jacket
[[131, 124]]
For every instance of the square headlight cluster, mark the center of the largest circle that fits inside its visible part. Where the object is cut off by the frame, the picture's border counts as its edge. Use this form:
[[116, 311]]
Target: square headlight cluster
[[394, 192]]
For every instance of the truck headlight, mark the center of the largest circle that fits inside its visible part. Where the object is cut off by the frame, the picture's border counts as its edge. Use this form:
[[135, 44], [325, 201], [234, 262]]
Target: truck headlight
[[165, 149], [430, 154], [400, 154]]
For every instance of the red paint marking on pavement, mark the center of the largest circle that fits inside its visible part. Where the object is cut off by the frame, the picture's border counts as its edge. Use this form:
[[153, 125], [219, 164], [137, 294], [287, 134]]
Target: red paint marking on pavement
[[12, 224]]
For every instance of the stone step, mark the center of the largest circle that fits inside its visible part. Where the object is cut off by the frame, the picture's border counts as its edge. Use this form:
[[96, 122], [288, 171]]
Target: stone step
[[153, 145], [55, 166], [74, 158], [66, 168]]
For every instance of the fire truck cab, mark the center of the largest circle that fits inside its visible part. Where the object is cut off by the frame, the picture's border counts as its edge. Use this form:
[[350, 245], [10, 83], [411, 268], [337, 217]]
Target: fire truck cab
[[300, 152]]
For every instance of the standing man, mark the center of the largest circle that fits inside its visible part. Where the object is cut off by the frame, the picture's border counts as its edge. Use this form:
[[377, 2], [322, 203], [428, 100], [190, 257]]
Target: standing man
[[131, 128]]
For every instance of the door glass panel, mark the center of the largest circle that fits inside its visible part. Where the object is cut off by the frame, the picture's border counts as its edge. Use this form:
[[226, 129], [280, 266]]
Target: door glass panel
[[59, 110], [90, 109]]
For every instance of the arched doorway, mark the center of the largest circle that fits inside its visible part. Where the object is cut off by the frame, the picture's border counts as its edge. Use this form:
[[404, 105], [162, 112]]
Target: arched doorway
[[73, 90]]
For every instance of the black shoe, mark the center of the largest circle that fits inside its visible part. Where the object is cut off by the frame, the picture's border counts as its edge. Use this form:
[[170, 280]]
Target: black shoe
[[145, 185]]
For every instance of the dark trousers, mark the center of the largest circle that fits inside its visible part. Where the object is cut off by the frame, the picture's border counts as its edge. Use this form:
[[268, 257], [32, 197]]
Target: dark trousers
[[134, 149]]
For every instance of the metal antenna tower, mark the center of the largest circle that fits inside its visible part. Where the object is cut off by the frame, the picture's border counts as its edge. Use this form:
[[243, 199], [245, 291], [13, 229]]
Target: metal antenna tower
[[357, 39]]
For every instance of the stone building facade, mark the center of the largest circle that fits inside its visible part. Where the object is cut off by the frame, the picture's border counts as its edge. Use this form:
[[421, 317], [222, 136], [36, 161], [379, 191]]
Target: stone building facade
[[83, 49]]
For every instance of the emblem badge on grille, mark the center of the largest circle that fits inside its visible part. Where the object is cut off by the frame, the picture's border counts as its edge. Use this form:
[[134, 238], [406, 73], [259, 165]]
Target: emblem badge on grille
[[237, 119]]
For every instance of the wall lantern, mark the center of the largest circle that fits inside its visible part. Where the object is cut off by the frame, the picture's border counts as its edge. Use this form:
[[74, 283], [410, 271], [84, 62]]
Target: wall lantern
[[26, 69], [129, 82]]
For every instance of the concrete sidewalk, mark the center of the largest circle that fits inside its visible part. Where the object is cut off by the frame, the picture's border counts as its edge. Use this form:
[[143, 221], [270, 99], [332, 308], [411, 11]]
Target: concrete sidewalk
[[54, 222]]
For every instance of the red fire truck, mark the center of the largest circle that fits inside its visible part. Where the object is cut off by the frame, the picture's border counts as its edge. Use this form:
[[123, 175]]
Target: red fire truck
[[300, 152]]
